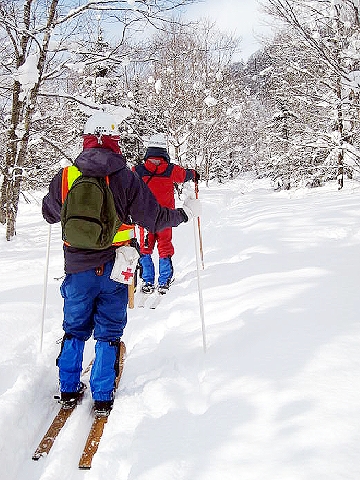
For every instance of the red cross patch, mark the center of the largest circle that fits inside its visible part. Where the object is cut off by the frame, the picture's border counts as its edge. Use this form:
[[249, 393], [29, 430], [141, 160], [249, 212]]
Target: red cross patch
[[128, 274]]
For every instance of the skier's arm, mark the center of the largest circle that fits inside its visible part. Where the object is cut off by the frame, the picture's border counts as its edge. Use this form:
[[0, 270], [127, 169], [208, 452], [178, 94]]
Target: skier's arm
[[51, 204], [145, 210], [182, 175]]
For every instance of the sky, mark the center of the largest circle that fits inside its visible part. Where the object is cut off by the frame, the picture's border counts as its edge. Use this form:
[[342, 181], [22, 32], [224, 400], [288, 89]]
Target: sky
[[275, 396], [241, 17]]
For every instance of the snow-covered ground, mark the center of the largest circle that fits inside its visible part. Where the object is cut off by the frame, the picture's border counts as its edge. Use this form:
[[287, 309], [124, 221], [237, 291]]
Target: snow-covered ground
[[275, 396]]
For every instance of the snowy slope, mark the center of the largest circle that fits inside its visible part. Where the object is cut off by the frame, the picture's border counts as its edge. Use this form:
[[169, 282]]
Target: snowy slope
[[276, 394]]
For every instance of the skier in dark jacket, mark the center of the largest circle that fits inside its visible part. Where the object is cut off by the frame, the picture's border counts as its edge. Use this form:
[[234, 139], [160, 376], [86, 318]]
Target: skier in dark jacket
[[160, 175], [94, 303]]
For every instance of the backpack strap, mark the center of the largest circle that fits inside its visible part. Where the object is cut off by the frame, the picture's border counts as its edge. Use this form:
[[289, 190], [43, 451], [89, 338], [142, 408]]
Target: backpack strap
[[69, 175]]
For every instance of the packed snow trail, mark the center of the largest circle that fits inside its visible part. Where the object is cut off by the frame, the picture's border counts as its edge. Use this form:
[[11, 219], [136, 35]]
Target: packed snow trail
[[274, 397]]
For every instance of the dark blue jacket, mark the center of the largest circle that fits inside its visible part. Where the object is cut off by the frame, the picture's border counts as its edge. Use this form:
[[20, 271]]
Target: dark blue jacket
[[133, 200]]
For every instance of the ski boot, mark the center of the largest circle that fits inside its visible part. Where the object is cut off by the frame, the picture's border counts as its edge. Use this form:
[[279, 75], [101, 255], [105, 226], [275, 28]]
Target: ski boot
[[71, 399], [102, 408], [147, 288], [164, 288]]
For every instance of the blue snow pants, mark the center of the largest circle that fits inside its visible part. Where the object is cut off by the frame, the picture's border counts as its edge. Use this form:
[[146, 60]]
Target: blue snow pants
[[93, 304], [166, 270]]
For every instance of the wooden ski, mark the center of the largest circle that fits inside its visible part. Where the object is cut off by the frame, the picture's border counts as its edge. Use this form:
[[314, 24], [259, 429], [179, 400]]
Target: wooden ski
[[57, 424], [53, 431], [97, 427]]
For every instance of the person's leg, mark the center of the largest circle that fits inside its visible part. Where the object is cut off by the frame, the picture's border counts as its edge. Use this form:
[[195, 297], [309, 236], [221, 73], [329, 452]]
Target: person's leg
[[78, 291], [69, 362], [104, 370], [166, 251], [166, 272], [147, 268], [110, 316]]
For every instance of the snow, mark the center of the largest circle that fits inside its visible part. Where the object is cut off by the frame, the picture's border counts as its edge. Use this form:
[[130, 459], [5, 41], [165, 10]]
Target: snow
[[28, 75], [210, 101], [275, 396], [158, 86]]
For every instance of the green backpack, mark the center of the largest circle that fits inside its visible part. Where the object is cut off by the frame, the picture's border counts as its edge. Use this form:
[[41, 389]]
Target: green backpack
[[88, 215]]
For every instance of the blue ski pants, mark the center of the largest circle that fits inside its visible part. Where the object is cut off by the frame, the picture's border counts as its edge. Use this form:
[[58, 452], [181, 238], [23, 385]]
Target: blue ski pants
[[166, 270], [93, 304]]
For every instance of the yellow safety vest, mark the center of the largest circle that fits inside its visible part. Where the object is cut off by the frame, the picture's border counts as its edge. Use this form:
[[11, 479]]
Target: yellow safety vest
[[125, 232]]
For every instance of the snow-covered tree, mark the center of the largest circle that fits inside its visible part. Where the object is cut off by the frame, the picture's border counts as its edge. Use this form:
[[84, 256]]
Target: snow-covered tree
[[189, 92], [320, 65], [39, 41]]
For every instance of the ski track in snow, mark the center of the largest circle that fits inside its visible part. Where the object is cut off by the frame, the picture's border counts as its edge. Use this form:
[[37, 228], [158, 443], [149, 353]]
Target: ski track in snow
[[274, 397]]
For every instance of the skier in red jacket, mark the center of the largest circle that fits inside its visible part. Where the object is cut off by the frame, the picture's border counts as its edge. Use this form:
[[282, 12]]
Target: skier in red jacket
[[160, 175]]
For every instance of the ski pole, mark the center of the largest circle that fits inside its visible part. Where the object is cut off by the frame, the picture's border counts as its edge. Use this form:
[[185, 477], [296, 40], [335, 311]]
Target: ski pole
[[201, 302], [199, 228], [46, 273]]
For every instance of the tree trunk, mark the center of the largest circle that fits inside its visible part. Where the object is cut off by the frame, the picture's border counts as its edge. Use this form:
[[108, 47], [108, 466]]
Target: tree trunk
[[3, 201], [21, 114], [340, 127], [340, 175], [8, 209], [15, 156]]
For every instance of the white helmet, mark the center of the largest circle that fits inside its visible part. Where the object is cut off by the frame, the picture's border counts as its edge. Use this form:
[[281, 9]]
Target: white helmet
[[101, 123], [157, 140]]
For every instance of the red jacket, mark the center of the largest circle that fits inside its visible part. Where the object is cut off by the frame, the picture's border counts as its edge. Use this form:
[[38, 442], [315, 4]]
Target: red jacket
[[160, 176]]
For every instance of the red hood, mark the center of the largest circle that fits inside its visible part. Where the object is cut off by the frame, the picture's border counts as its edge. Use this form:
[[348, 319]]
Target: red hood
[[105, 141], [156, 165]]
